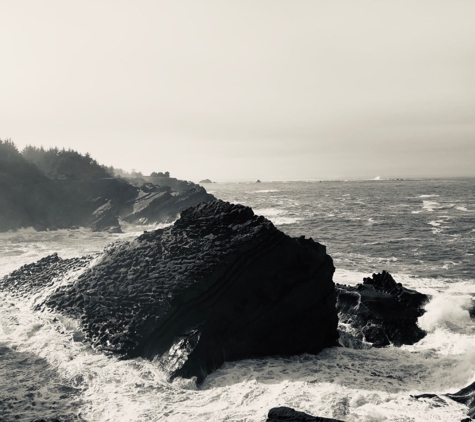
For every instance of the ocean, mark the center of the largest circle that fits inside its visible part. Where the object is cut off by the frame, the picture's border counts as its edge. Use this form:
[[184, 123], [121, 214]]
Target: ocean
[[421, 231]]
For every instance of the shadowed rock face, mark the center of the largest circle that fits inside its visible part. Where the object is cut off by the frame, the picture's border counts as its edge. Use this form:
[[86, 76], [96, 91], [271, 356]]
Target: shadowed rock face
[[287, 414], [28, 198], [382, 311], [221, 284]]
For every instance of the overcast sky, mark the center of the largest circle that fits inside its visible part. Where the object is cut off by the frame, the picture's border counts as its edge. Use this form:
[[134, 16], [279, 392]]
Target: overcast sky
[[241, 90]]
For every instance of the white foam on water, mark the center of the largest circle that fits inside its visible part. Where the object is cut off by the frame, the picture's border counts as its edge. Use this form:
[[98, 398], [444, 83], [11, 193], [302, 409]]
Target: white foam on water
[[349, 277], [278, 216], [449, 313], [33, 245], [346, 384], [430, 205], [268, 212], [429, 196]]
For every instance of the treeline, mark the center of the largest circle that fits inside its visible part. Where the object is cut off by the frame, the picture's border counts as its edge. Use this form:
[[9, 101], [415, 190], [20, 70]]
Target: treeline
[[9, 151], [67, 164]]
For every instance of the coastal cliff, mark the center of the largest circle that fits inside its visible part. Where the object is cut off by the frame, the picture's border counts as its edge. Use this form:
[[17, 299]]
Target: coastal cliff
[[53, 189]]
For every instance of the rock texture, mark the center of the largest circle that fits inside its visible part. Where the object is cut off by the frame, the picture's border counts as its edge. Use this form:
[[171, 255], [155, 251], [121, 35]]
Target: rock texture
[[381, 311], [219, 285], [287, 414]]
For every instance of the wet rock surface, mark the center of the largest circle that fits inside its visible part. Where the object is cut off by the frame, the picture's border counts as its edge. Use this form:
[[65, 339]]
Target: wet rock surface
[[287, 414], [221, 284], [381, 311]]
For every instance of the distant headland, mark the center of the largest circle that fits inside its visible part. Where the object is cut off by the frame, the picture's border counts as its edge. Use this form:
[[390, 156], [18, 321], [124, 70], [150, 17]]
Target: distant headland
[[50, 189]]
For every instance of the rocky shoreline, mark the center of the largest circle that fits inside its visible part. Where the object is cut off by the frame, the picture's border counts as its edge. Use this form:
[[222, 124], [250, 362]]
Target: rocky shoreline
[[221, 284]]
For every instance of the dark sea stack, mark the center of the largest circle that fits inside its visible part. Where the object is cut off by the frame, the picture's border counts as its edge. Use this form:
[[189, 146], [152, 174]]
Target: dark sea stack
[[382, 311], [287, 414], [219, 285]]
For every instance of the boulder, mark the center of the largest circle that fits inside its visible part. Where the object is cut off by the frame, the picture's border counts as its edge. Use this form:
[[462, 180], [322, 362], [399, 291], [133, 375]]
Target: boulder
[[219, 285], [381, 311], [287, 414]]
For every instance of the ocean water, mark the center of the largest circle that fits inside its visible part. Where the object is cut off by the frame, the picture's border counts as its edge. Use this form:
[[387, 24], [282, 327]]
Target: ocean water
[[422, 231]]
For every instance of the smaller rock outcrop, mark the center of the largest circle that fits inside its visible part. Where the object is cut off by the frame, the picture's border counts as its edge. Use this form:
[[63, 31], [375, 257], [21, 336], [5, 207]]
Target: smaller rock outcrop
[[33, 278], [381, 311], [287, 414], [206, 181]]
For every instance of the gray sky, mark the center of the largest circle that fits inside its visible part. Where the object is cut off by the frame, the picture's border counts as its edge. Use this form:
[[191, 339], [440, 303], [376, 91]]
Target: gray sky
[[235, 90]]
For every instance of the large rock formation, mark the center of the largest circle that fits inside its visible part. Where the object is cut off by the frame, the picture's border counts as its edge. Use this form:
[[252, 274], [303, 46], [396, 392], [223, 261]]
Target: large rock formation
[[221, 284], [381, 311], [287, 414]]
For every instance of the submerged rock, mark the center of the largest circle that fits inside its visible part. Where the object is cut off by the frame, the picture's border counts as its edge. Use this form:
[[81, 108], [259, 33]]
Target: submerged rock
[[381, 311], [465, 396], [219, 285], [287, 414]]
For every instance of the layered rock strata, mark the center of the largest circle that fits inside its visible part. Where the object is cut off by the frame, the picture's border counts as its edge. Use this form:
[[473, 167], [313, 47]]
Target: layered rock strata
[[381, 311], [219, 285]]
